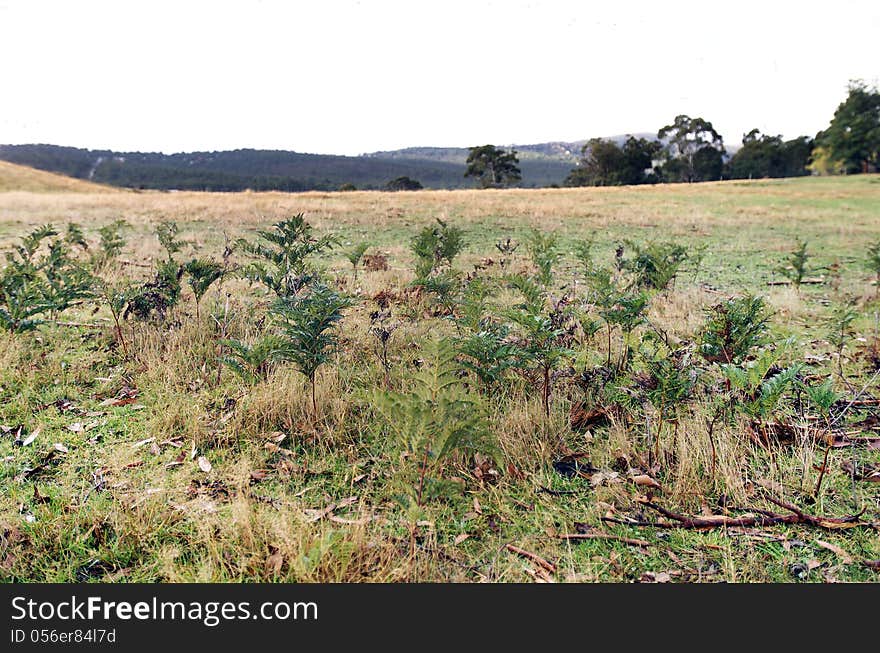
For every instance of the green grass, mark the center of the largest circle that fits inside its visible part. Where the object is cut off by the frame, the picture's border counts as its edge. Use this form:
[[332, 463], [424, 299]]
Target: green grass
[[108, 510]]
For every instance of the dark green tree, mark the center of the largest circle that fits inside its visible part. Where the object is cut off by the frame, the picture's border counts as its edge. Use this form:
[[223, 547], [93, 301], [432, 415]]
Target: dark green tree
[[604, 163], [404, 183], [492, 167], [694, 150], [600, 164], [853, 137], [769, 156]]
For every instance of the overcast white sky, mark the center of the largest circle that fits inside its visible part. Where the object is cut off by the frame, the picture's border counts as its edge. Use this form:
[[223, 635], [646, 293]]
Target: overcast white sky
[[346, 77]]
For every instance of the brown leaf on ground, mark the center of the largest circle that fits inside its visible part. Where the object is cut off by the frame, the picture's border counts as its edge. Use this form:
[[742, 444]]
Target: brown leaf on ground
[[645, 480], [655, 577], [461, 537], [120, 401], [843, 555], [603, 478], [514, 472], [126, 395], [484, 469], [862, 471], [540, 574], [582, 419], [274, 563]]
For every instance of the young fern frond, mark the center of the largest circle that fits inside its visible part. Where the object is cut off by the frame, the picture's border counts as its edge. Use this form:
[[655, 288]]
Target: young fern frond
[[283, 254], [252, 361], [434, 420]]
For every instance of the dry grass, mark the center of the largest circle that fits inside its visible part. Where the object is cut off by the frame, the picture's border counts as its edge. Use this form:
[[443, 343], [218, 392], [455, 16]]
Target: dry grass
[[30, 180], [258, 514]]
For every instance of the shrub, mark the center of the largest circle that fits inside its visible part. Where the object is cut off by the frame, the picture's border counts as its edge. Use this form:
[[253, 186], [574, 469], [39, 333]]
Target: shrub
[[252, 361], [282, 255], [547, 338], [733, 329], [308, 337], [355, 255], [544, 251], [156, 297], [759, 387], [434, 246], [507, 247], [656, 264], [32, 283], [583, 253], [796, 268], [403, 183], [202, 274], [110, 244], [435, 420], [840, 330], [167, 232], [874, 263], [489, 353], [626, 311]]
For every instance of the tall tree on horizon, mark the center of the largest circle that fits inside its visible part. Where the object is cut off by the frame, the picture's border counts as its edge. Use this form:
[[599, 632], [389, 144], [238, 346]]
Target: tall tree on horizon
[[853, 137], [694, 150], [604, 163], [493, 167]]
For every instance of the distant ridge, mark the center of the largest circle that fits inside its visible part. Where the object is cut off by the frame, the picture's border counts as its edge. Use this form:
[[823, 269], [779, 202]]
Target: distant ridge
[[542, 164]]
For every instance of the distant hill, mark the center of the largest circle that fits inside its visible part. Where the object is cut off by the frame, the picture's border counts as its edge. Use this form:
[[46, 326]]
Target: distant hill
[[542, 164], [17, 177]]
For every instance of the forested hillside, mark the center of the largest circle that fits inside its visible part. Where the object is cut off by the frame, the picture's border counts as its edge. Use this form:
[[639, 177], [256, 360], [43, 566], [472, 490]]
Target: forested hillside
[[267, 169]]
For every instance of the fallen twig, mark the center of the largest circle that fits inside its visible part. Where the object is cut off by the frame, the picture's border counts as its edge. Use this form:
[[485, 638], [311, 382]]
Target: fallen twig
[[534, 557], [604, 536], [85, 325], [761, 519]]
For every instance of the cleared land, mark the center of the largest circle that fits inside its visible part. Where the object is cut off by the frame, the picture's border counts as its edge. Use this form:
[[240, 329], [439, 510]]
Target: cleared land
[[294, 497], [21, 178]]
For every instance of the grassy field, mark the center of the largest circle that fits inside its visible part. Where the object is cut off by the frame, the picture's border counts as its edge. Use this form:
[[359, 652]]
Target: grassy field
[[146, 468]]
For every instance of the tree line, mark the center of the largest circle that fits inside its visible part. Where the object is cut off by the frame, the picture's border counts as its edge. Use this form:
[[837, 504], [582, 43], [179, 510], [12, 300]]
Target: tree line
[[690, 150]]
